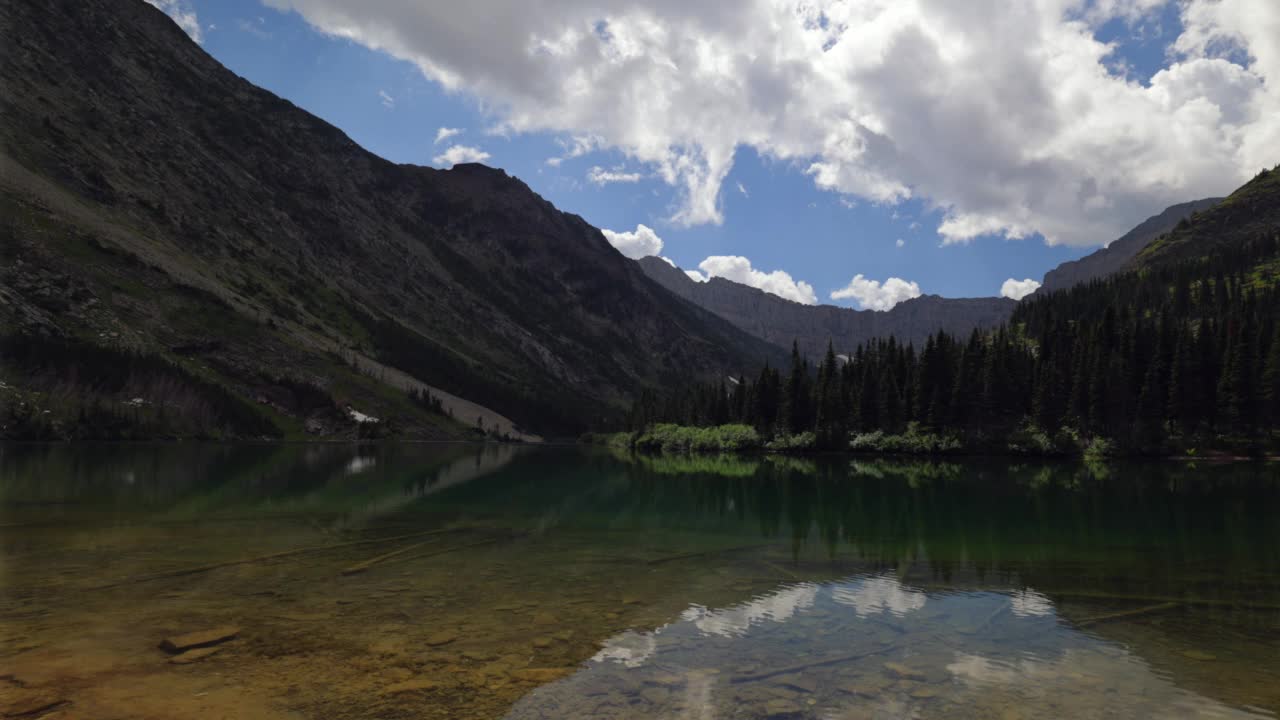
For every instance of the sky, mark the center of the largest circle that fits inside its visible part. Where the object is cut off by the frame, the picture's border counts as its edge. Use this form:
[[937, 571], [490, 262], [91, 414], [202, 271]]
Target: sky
[[848, 152]]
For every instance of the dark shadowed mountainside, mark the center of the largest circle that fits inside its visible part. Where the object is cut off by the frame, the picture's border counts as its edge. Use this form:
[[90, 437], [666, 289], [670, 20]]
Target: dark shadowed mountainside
[[157, 205], [1113, 257], [780, 321]]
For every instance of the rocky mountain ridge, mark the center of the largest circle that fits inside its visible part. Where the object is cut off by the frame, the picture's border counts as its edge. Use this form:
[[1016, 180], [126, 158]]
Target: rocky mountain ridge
[[158, 203], [780, 321]]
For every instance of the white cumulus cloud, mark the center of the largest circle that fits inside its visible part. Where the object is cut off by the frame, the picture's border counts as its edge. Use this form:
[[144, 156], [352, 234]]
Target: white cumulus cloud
[[460, 154], [641, 242], [388, 102], [445, 133], [778, 282], [1018, 289], [1009, 117], [899, 242], [874, 295]]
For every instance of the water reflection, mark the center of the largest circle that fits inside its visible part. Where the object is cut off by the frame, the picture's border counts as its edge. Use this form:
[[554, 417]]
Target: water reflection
[[637, 586], [774, 607], [878, 595], [798, 652]]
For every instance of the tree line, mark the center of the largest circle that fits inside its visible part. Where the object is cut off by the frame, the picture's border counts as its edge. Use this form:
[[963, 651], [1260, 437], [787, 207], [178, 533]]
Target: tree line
[[1184, 354]]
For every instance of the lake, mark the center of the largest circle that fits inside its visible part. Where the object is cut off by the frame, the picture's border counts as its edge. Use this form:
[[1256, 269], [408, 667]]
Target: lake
[[470, 581]]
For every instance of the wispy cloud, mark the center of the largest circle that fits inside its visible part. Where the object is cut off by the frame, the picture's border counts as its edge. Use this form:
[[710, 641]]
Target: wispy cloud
[[599, 176], [445, 133], [254, 27]]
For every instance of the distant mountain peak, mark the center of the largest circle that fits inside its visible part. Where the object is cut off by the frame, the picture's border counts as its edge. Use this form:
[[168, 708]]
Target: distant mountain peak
[[780, 321]]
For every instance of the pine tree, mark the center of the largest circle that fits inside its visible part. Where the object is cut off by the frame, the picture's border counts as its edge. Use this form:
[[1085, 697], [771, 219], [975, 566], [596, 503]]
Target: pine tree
[[1271, 382], [829, 422]]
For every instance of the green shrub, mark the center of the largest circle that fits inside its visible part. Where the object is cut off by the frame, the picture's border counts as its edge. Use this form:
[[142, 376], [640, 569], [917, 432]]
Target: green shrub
[[668, 437], [915, 441], [1099, 448], [792, 443], [1030, 440]]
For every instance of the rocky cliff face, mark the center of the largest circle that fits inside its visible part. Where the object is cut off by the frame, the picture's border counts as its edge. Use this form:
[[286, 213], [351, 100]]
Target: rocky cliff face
[[1113, 257], [165, 205], [780, 321]]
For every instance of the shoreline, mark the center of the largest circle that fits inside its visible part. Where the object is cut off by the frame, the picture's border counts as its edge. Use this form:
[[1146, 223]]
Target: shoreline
[[1208, 457]]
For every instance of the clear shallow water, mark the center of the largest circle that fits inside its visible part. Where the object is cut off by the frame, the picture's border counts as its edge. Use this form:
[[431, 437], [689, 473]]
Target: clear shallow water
[[486, 582]]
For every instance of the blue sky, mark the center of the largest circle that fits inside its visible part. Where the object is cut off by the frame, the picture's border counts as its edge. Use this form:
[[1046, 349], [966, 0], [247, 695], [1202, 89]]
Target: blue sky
[[770, 206]]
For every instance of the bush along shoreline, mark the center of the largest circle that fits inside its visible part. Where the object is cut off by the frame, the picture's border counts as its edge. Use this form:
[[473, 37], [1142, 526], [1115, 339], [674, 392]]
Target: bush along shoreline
[[1027, 441]]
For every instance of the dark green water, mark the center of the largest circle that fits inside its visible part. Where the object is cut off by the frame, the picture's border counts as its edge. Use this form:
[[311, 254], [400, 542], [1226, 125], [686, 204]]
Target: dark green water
[[467, 581]]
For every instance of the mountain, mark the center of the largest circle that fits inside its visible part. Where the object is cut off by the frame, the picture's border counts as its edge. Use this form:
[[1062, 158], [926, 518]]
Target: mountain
[[1113, 257], [159, 210], [780, 321], [1249, 214], [1177, 353]]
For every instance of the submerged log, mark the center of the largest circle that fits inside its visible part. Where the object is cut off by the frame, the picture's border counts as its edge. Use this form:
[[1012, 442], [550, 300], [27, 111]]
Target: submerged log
[[990, 618], [198, 569], [200, 639], [1108, 617], [365, 565], [808, 665], [704, 553], [456, 548]]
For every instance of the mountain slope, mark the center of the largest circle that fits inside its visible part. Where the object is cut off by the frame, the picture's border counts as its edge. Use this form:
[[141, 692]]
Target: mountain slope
[[1113, 257], [780, 321], [158, 203], [1250, 213]]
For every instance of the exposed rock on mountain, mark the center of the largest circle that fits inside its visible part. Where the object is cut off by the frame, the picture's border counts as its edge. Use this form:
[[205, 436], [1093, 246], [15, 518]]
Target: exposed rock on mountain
[[1113, 257], [157, 203], [780, 321]]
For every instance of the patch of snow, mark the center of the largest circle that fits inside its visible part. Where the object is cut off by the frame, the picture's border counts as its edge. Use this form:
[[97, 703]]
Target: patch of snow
[[360, 417]]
